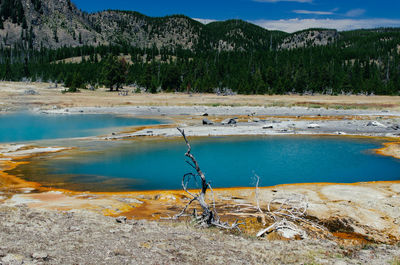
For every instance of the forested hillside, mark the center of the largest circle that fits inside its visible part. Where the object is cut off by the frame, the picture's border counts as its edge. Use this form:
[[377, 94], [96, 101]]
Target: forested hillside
[[176, 53]]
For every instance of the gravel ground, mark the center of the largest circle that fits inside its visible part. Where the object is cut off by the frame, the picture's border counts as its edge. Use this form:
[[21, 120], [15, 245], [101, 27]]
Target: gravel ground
[[279, 120], [29, 236], [219, 110]]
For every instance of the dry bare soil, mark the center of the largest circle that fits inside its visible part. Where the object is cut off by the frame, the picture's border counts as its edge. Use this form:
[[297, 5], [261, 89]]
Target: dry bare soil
[[31, 236], [13, 95]]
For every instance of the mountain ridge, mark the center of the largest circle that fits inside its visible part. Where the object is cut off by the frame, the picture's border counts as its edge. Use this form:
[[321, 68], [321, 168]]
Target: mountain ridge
[[55, 24]]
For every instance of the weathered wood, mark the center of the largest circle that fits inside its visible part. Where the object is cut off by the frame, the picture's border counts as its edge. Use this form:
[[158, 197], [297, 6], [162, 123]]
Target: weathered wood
[[209, 217]]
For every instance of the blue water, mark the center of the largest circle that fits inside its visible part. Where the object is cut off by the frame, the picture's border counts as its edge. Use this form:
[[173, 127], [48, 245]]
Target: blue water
[[27, 127], [227, 162]]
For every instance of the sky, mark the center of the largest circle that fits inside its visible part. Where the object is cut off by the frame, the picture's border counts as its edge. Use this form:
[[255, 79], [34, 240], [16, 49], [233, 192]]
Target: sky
[[285, 15]]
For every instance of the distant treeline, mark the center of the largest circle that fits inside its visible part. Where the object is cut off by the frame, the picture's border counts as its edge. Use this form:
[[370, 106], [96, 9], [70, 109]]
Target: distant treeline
[[362, 61]]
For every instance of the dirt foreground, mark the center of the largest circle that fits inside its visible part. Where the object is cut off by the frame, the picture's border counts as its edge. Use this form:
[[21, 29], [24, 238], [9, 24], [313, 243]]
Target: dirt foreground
[[32, 236]]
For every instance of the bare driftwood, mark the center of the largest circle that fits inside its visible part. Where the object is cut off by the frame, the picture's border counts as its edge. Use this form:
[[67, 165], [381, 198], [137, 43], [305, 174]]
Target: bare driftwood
[[209, 216], [288, 215]]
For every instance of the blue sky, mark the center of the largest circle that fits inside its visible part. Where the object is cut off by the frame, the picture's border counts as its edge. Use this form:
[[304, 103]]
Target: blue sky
[[286, 15]]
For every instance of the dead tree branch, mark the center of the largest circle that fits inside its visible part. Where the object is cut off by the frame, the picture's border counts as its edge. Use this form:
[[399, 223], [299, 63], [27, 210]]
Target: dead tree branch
[[209, 217], [288, 214]]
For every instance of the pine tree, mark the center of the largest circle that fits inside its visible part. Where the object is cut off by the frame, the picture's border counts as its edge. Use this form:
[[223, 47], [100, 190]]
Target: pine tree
[[114, 72]]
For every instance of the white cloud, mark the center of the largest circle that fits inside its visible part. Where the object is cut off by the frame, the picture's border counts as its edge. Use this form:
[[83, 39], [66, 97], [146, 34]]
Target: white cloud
[[293, 25], [204, 20], [355, 12], [309, 12], [276, 1]]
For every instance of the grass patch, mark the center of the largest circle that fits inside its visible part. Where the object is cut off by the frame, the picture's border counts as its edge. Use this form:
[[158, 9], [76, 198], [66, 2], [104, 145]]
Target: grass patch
[[344, 106]]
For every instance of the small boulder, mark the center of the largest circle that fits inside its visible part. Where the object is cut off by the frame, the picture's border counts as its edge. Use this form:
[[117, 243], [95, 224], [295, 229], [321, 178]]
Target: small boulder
[[205, 114], [229, 121], [313, 126], [376, 124], [290, 233], [207, 122], [40, 255], [121, 219], [30, 92], [395, 127], [12, 259], [268, 126]]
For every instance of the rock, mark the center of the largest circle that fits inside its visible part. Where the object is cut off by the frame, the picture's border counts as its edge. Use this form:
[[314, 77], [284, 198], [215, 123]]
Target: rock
[[395, 127], [290, 233], [340, 262], [26, 190], [74, 229], [205, 114], [121, 219], [12, 259], [268, 126], [40, 255], [229, 121], [30, 92], [313, 126], [207, 122], [131, 200], [256, 119], [376, 124]]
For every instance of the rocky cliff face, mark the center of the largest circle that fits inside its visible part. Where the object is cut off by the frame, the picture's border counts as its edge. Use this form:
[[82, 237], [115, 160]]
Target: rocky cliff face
[[58, 23], [142, 31], [307, 38], [52, 24]]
